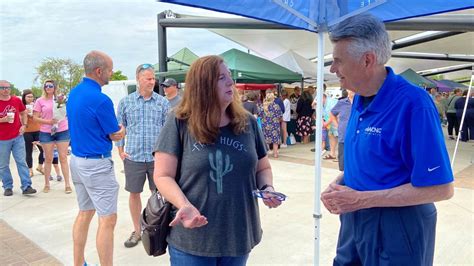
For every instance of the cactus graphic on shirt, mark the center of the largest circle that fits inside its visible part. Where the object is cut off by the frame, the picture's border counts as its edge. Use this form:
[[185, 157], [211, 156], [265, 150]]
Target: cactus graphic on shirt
[[219, 169]]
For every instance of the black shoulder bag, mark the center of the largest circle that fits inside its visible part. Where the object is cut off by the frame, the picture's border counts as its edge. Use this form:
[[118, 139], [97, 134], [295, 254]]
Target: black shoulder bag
[[156, 216]]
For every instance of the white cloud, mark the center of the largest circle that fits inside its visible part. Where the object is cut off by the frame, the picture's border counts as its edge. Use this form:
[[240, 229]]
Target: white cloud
[[126, 30]]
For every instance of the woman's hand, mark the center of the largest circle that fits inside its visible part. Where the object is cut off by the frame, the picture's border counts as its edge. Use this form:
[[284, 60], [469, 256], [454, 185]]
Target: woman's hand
[[189, 217], [271, 201], [52, 121]]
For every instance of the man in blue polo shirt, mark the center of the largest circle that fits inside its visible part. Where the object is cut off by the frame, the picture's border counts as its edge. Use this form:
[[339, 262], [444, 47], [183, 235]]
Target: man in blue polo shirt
[[93, 126], [396, 163]]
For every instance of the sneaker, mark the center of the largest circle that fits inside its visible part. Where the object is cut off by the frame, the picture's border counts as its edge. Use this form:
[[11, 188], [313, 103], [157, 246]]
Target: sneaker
[[283, 146], [132, 240], [29, 190], [8, 192], [51, 178], [59, 178]]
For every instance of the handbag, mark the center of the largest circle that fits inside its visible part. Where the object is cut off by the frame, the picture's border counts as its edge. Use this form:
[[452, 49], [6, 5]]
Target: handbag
[[156, 217], [155, 220]]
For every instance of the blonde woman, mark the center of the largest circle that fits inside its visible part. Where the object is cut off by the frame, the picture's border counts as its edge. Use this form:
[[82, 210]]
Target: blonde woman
[[271, 117], [43, 113]]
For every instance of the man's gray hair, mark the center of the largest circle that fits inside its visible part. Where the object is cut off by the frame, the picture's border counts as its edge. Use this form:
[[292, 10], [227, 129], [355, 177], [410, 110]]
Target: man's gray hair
[[93, 60], [366, 33]]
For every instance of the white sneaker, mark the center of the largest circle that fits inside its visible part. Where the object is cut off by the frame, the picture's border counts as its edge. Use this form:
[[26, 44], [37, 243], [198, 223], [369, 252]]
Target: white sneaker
[[283, 145], [323, 152]]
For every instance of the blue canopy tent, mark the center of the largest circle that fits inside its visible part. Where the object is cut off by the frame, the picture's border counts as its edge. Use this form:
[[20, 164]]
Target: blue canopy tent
[[318, 16]]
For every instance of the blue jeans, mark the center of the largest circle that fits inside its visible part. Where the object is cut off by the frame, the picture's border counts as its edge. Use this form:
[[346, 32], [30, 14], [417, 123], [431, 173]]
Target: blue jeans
[[17, 147], [181, 258]]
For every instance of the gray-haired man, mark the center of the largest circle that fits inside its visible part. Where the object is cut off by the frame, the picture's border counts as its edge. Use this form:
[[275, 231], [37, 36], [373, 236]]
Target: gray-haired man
[[385, 194]]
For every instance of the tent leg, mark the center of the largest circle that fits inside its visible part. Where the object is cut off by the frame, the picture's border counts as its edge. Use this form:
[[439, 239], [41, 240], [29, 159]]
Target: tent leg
[[317, 146]]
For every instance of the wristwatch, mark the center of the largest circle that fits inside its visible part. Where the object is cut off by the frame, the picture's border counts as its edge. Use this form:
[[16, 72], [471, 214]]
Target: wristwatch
[[266, 186]]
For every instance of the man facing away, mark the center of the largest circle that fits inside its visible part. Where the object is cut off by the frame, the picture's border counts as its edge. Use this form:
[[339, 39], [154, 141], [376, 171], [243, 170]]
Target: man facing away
[[170, 87], [143, 114], [93, 126], [12, 125], [385, 194]]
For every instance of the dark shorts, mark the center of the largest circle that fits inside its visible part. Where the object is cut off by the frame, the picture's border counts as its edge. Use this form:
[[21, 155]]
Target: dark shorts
[[387, 236], [340, 155], [47, 138], [136, 173]]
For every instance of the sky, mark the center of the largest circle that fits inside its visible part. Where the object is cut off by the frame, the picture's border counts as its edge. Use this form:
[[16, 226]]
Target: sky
[[31, 31]]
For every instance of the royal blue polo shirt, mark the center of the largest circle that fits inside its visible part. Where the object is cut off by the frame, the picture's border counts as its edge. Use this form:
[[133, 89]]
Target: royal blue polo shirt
[[91, 118], [396, 140]]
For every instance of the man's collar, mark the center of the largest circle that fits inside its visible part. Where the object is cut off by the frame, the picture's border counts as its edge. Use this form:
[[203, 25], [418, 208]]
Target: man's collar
[[383, 96], [91, 82], [153, 96]]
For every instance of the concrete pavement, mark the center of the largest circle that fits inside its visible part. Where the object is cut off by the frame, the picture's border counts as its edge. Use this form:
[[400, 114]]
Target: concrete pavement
[[46, 219]]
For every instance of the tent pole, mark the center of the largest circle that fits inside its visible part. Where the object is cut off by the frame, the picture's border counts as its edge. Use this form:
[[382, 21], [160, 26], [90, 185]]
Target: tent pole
[[462, 120], [317, 146]]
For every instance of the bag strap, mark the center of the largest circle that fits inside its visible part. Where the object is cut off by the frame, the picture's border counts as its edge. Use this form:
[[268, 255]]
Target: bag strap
[[454, 96]]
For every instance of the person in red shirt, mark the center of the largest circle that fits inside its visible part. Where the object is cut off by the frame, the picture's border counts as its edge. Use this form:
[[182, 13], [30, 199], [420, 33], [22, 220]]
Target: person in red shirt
[[12, 125]]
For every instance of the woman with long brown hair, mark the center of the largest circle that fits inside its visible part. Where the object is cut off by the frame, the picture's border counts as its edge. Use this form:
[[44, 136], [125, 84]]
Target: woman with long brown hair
[[222, 158], [43, 113], [31, 134]]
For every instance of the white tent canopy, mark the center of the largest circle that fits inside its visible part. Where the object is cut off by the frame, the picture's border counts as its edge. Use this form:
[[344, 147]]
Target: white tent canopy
[[305, 67], [272, 44]]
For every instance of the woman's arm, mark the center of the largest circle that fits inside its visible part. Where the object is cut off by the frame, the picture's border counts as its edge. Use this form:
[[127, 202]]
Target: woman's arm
[[36, 118], [164, 176], [265, 178]]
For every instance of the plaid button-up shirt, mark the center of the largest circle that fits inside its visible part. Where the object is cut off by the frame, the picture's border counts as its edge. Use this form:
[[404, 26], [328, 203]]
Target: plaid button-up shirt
[[143, 120]]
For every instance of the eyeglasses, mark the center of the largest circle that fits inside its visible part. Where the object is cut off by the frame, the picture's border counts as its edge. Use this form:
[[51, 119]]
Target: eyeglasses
[[263, 194], [144, 67], [4, 88], [48, 86]]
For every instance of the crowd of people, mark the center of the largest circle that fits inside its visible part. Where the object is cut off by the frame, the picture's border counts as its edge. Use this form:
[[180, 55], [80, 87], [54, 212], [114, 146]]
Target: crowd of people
[[205, 151]]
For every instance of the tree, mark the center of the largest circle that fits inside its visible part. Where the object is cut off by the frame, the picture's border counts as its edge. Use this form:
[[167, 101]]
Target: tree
[[118, 76], [37, 91], [66, 73], [14, 90]]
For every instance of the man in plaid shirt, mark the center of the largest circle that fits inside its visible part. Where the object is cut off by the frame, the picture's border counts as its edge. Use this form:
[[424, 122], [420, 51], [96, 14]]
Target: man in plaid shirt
[[143, 115]]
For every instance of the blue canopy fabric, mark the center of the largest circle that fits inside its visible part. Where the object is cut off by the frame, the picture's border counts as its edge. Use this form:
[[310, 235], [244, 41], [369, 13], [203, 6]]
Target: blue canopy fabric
[[312, 14]]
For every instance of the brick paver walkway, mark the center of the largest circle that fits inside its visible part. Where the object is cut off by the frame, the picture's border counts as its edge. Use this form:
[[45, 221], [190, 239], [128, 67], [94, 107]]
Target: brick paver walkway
[[16, 249]]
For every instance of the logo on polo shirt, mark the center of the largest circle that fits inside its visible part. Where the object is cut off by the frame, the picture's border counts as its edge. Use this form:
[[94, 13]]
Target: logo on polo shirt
[[374, 131]]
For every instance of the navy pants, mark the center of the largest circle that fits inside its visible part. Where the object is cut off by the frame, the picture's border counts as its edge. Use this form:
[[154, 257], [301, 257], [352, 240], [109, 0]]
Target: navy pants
[[387, 236]]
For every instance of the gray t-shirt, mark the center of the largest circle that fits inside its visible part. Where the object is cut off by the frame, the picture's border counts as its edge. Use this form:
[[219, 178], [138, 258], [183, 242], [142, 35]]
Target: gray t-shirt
[[218, 180], [175, 101]]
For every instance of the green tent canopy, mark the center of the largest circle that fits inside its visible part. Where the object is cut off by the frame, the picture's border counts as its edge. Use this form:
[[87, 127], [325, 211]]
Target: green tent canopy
[[417, 79], [247, 68], [178, 65]]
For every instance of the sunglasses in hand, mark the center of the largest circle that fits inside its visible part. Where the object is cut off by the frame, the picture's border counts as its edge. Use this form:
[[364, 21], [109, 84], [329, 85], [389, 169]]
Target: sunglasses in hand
[[264, 194]]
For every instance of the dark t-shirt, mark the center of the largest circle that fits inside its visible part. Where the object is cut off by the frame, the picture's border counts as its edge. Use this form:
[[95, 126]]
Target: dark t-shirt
[[218, 180], [251, 107]]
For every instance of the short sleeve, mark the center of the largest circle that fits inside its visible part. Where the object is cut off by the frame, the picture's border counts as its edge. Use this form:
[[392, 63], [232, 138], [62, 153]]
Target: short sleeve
[[169, 140], [337, 108], [121, 119], [37, 106], [106, 117], [21, 106], [426, 154], [260, 145]]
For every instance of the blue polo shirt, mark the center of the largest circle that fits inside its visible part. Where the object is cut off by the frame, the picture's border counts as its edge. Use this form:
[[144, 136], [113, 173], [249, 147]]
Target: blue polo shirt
[[91, 118], [396, 140]]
